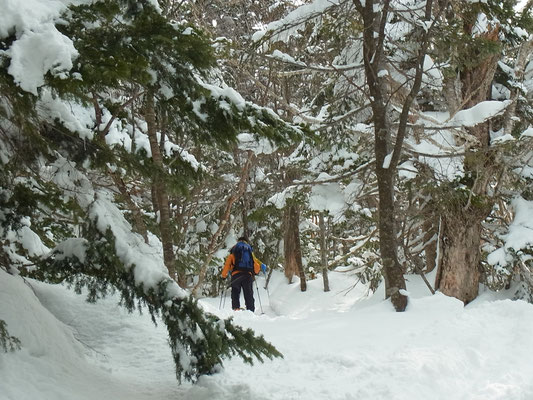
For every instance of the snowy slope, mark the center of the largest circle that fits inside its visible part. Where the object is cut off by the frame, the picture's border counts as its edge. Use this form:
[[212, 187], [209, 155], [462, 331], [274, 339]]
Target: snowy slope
[[336, 345], [75, 350]]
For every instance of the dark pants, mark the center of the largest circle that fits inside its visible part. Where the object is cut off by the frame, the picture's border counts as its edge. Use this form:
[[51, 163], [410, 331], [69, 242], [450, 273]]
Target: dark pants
[[245, 281]]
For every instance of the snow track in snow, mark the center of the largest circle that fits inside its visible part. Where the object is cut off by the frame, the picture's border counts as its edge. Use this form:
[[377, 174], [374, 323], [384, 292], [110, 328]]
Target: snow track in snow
[[336, 345]]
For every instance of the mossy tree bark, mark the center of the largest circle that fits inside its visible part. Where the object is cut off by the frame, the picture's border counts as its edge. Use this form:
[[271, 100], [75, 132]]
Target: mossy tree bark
[[459, 272]]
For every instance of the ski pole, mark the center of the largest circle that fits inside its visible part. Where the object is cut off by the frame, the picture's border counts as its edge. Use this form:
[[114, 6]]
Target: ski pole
[[266, 287], [224, 292], [222, 296], [225, 295], [228, 279], [258, 296]]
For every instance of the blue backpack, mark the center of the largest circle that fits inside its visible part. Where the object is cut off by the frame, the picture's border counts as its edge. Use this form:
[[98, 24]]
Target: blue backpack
[[243, 257]]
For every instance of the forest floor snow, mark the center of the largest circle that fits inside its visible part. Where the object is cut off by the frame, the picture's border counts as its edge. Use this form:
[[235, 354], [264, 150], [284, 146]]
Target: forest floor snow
[[341, 344]]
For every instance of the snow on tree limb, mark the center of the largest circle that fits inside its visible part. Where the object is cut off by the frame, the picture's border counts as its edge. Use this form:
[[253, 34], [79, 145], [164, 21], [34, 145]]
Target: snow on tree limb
[[284, 28], [478, 114]]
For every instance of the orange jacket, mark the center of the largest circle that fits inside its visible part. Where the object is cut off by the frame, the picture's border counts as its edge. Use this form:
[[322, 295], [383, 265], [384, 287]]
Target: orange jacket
[[230, 263]]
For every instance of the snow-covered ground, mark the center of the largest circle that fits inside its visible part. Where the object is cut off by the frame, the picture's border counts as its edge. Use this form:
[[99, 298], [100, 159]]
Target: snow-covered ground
[[336, 345]]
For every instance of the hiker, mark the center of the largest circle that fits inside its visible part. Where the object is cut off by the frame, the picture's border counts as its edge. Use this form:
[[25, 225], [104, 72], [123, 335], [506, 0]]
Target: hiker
[[243, 266]]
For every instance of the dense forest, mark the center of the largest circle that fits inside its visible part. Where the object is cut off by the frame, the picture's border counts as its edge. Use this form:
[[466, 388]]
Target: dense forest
[[140, 138]]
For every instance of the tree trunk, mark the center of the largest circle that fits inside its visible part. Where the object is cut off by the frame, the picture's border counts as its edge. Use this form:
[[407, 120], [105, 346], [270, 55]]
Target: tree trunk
[[244, 213], [388, 245], [292, 250], [458, 275], [297, 248], [388, 150], [295, 223], [160, 190], [383, 148], [323, 252], [290, 266], [431, 237]]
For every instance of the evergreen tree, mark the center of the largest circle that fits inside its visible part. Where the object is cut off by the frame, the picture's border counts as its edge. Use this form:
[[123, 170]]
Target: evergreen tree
[[139, 77]]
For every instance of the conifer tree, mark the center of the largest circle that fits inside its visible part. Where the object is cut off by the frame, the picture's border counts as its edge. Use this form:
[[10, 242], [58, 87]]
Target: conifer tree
[[132, 65]]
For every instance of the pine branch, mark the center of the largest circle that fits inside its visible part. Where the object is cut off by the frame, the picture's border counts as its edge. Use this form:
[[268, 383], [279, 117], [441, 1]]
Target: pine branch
[[199, 341], [7, 342]]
